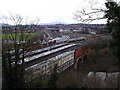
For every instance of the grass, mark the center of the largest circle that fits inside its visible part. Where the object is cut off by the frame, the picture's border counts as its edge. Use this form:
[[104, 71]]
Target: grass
[[17, 35]]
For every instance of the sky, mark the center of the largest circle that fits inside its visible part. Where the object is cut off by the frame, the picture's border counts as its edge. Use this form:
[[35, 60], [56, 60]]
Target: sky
[[48, 11]]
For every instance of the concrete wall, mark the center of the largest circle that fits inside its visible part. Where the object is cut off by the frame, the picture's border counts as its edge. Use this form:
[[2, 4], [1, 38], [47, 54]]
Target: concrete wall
[[43, 68]]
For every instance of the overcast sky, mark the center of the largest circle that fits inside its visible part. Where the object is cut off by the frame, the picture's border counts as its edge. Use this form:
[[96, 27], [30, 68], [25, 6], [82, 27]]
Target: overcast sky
[[47, 10]]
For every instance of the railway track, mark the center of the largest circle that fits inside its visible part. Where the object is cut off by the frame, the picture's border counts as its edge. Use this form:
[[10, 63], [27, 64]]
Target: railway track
[[46, 57], [47, 53], [36, 56], [28, 54]]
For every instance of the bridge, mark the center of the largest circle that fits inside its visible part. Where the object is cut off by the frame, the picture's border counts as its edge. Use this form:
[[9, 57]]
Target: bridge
[[79, 55]]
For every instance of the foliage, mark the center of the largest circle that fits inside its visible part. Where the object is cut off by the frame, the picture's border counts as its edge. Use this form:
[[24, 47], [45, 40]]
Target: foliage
[[13, 77], [52, 83], [13, 67], [113, 24], [38, 82]]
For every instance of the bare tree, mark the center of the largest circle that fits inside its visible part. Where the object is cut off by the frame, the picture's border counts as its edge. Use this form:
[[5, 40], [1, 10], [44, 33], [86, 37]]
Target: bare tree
[[16, 38], [93, 11]]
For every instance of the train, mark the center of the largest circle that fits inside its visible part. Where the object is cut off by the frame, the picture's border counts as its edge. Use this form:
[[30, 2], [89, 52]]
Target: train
[[54, 41], [43, 44], [77, 39]]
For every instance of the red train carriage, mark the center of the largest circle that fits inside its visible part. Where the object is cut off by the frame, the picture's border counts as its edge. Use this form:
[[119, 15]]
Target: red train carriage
[[34, 47]]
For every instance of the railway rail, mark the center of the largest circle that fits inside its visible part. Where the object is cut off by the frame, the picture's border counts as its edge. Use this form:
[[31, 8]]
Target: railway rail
[[47, 53], [40, 50]]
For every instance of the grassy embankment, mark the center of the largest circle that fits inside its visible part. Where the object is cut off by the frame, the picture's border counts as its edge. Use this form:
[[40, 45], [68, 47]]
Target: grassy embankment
[[17, 35]]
